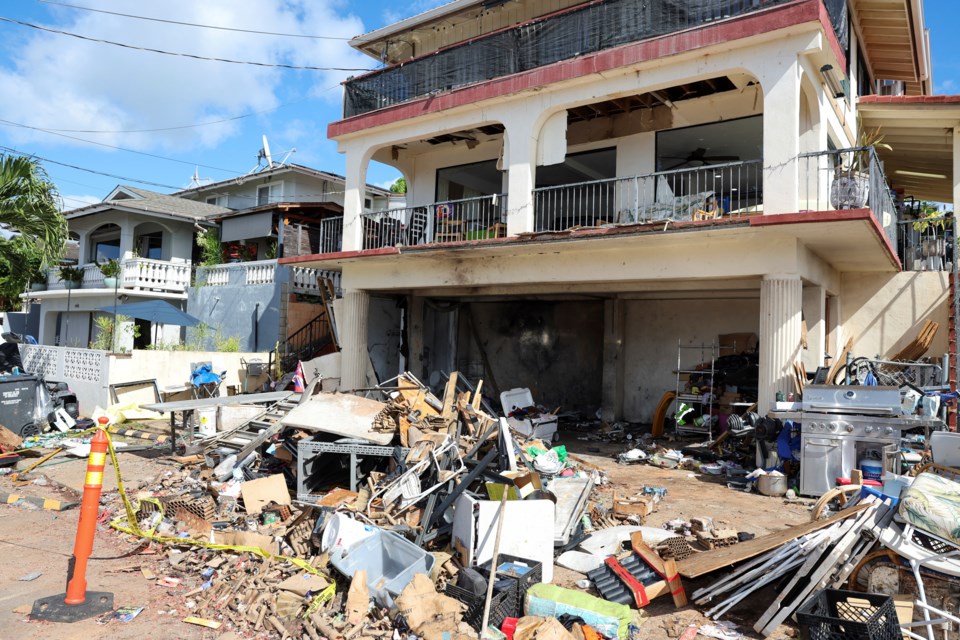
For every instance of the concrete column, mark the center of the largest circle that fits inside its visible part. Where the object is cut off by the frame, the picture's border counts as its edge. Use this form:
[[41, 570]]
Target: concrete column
[[780, 81], [414, 320], [815, 314], [126, 240], [520, 161], [353, 327], [780, 304], [356, 178], [614, 320]]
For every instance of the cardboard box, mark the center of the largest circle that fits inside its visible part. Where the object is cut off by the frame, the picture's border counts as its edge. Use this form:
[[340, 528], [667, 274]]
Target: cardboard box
[[524, 484]]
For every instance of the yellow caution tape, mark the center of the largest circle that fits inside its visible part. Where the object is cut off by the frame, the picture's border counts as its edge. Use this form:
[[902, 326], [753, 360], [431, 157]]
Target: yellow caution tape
[[130, 525]]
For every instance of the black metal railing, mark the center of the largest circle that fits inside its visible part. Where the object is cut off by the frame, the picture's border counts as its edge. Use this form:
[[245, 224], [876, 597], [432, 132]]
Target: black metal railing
[[926, 242], [588, 28], [847, 179], [712, 191], [303, 344], [477, 218]]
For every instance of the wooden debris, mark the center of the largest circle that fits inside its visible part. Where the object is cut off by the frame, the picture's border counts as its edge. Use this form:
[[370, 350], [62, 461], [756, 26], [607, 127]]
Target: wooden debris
[[919, 345]]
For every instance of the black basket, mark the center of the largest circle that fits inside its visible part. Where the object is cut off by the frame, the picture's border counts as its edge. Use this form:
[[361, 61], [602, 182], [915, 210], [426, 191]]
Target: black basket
[[524, 582], [502, 604], [835, 614]]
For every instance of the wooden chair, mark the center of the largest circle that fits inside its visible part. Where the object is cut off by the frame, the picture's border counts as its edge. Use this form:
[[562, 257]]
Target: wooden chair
[[497, 230], [449, 231]]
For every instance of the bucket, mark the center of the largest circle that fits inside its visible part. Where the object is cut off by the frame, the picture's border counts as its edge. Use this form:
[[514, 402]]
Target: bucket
[[343, 531], [872, 469], [207, 421], [772, 485]]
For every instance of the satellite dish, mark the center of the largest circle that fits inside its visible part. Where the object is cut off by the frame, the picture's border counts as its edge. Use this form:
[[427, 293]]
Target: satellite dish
[[266, 152]]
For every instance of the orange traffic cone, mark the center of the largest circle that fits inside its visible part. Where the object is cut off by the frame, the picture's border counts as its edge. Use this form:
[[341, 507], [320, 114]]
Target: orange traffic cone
[[78, 603]]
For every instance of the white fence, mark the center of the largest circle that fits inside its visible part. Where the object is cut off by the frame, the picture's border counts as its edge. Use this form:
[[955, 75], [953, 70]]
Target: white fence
[[90, 372]]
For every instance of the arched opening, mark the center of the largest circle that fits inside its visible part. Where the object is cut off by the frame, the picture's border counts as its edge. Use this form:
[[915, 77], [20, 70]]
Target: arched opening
[[151, 240], [104, 243]]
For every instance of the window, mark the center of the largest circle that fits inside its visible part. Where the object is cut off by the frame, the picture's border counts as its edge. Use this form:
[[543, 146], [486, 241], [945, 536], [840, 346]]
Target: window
[[150, 246], [367, 203], [269, 193], [219, 201], [105, 243]]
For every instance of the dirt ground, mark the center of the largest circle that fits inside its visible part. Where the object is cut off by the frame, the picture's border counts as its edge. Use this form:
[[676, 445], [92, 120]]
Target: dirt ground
[[36, 540]]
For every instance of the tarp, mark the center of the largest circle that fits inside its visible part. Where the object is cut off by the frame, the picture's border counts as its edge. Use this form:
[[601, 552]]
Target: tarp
[[158, 311]]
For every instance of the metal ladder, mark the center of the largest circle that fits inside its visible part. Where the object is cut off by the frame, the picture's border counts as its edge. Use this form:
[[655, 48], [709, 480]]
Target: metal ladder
[[246, 438]]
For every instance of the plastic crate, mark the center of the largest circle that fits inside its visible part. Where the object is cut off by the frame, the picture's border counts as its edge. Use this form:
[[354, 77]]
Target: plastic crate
[[524, 581], [835, 614], [502, 604]]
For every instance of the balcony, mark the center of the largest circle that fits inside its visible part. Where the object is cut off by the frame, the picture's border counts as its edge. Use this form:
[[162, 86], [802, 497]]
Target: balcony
[[469, 219], [729, 189], [563, 35], [303, 280], [136, 273]]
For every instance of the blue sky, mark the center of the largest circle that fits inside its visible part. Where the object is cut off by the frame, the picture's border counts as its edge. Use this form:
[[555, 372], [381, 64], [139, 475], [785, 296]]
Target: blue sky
[[91, 97]]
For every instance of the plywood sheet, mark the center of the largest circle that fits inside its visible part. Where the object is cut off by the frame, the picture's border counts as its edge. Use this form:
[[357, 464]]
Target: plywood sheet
[[701, 563]]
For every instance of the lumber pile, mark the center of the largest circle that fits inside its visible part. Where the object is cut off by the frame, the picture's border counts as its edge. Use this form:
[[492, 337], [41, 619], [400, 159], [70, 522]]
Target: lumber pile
[[919, 345], [818, 560]]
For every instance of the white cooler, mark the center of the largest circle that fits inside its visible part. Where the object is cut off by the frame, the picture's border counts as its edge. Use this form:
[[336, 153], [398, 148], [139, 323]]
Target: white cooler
[[544, 426]]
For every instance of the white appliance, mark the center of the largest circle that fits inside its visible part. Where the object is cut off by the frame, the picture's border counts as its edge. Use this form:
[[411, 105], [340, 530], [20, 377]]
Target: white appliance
[[543, 426]]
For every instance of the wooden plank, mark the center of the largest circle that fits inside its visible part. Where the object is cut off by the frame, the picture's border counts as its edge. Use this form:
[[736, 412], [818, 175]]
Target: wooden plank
[[840, 362], [702, 563]]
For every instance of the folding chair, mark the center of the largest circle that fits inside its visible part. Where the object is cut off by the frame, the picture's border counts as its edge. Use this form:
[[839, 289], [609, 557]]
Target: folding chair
[[204, 382]]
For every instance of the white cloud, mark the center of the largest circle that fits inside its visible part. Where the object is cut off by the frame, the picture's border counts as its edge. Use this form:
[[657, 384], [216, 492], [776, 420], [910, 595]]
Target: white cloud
[[411, 9], [65, 83], [76, 201]]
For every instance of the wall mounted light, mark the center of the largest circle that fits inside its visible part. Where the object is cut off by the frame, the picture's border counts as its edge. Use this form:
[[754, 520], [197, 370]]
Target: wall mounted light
[[833, 80]]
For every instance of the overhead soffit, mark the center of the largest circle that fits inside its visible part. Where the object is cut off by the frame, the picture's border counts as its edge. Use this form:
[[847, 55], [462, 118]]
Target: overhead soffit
[[888, 33], [921, 139]]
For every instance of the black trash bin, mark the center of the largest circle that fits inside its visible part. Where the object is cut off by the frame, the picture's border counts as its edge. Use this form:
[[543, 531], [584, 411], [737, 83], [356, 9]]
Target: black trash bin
[[18, 401]]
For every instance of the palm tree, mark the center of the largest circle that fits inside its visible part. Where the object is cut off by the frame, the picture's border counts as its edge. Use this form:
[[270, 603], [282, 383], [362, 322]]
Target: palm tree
[[28, 206]]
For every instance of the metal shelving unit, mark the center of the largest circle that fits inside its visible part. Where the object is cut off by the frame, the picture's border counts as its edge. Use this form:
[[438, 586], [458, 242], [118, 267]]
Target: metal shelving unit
[[700, 420]]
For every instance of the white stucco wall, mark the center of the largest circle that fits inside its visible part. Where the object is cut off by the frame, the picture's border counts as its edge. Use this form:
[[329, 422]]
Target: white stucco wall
[[884, 313]]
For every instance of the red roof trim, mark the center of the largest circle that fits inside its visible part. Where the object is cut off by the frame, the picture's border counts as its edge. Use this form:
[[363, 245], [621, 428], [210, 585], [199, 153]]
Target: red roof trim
[[910, 100], [831, 216]]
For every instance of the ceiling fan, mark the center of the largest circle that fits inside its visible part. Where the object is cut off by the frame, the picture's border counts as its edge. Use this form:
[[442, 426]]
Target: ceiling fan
[[699, 155]]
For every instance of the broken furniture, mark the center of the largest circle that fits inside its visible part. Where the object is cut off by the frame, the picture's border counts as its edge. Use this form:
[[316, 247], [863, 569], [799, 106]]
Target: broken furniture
[[696, 397], [309, 451], [188, 407]]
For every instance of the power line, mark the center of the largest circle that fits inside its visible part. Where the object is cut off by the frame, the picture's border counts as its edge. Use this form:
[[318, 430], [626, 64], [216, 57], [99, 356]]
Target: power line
[[93, 171], [175, 53], [110, 146], [193, 24]]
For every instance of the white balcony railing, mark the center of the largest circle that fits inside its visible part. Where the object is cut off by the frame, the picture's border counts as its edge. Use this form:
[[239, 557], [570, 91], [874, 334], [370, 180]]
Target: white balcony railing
[[136, 273], [158, 275], [306, 280], [239, 273]]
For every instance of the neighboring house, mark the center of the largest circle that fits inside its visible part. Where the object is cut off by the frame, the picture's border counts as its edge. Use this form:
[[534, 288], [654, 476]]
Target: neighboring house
[[282, 210], [592, 183], [151, 235]]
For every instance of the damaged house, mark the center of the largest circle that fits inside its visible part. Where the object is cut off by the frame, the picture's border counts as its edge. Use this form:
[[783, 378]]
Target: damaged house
[[595, 186]]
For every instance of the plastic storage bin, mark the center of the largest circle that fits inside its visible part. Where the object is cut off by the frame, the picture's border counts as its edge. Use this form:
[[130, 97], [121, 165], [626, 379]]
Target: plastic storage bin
[[503, 603], [510, 567], [387, 558], [835, 614]]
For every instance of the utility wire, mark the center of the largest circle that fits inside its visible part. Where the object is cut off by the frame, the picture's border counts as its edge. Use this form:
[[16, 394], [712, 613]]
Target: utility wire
[[193, 24], [110, 146], [93, 171], [175, 53]]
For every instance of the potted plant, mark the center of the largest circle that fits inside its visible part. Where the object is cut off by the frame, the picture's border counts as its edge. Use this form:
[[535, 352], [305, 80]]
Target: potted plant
[[72, 277], [110, 270], [39, 282], [851, 184]]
